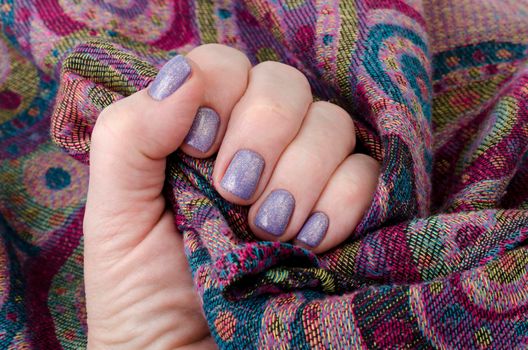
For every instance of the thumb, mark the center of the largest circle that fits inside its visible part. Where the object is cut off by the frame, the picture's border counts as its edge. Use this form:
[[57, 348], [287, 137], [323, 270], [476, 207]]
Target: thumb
[[129, 144]]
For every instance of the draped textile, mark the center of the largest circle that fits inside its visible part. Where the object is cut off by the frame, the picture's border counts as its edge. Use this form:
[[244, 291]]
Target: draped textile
[[439, 91]]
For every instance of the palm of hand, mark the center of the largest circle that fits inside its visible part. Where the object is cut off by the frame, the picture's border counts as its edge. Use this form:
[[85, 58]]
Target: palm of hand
[[138, 285]]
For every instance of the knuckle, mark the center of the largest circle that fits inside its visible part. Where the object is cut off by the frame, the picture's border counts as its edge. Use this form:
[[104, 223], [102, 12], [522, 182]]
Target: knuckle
[[268, 66], [338, 122], [336, 116], [235, 54], [222, 55], [284, 72], [225, 71], [360, 177]]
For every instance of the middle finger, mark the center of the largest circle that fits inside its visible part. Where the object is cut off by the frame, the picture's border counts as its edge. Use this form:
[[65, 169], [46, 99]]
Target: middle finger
[[262, 124]]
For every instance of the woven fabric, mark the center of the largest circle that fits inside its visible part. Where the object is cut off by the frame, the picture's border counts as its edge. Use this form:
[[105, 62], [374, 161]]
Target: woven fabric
[[439, 91]]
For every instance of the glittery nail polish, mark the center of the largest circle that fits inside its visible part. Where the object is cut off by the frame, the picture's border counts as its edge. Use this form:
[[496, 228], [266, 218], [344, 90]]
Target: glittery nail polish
[[170, 77], [314, 229], [203, 130], [274, 214], [243, 173]]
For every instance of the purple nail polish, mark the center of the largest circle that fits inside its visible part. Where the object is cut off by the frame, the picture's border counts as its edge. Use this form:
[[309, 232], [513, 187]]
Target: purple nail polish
[[274, 214], [203, 130], [170, 77], [243, 173], [314, 229]]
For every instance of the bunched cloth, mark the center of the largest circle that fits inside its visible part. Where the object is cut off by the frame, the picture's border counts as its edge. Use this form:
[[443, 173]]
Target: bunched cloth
[[439, 91]]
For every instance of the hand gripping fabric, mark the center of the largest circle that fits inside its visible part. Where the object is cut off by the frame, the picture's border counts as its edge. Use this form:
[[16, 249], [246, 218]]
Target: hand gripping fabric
[[440, 96]]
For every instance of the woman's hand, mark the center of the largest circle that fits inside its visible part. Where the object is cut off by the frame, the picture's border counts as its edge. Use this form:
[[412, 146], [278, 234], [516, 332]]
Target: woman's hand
[[287, 157]]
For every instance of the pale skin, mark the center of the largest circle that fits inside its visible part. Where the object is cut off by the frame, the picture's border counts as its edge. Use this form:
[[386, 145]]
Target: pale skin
[[139, 292]]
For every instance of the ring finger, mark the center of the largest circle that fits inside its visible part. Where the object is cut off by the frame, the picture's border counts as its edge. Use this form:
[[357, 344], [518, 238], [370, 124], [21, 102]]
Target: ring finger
[[326, 138]]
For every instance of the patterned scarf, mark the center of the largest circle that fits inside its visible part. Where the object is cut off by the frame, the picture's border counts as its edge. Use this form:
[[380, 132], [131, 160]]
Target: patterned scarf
[[439, 89]]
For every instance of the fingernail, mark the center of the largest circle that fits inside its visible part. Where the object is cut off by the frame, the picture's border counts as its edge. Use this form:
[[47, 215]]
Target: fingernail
[[170, 77], [243, 174], [274, 214], [203, 130], [314, 229]]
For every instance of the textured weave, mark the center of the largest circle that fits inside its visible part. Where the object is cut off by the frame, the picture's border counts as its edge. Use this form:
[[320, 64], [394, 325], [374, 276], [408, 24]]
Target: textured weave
[[439, 89]]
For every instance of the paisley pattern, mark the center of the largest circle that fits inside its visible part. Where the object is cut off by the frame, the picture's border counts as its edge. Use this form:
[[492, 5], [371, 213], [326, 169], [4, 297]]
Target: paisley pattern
[[439, 96]]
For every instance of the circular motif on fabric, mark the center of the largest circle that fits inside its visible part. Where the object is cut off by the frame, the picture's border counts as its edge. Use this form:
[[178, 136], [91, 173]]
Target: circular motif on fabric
[[42, 190], [48, 179], [225, 325]]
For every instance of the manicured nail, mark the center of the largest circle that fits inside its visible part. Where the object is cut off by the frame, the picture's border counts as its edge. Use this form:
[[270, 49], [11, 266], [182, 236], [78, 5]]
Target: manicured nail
[[203, 130], [243, 174], [170, 77], [274, 214], [314, 229]]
